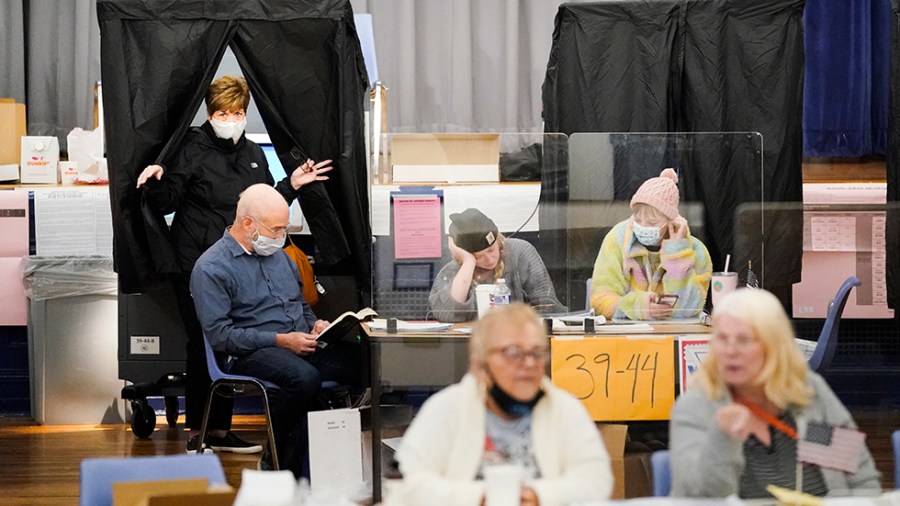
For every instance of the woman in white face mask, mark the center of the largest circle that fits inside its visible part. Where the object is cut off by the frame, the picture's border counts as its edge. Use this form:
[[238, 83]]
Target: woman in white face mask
[[201, 185], [649, 266]]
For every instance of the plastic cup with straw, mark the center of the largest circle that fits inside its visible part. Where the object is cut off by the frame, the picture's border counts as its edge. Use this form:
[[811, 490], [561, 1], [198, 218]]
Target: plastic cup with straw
[[723, 282]]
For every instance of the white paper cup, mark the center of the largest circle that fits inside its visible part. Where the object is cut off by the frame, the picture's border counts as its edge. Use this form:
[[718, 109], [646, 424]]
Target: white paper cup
[[503, 485], [68, 172], [484, 295], [722, 284]]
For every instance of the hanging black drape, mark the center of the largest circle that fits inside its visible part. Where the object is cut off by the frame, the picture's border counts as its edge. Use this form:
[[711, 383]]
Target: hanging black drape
[[304, 66], [893, 168], [693, 66], [611, 68]]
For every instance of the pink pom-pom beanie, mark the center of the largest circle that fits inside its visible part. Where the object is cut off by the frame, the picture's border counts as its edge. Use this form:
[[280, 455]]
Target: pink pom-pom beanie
[[660, 192]]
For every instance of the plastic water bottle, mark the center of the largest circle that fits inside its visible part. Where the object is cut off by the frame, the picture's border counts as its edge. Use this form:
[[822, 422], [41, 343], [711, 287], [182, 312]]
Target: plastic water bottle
[[501, 293]]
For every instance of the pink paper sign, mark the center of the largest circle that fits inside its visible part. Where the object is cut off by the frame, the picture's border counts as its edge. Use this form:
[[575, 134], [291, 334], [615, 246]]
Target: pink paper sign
[[417, 227]]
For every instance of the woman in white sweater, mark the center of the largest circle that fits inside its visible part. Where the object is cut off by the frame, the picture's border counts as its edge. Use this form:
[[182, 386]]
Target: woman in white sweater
[[505, 410]]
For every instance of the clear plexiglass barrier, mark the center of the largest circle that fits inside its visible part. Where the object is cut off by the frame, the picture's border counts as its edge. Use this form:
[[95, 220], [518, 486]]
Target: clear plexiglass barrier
[[534, 209]]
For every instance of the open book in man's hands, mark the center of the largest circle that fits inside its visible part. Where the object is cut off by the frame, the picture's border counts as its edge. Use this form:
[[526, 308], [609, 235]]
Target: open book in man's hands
[[345, 327]]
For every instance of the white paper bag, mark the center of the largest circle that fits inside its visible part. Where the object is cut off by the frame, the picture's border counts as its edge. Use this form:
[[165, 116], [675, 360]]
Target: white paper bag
[[86, 148], [40, 156], [335, 450]]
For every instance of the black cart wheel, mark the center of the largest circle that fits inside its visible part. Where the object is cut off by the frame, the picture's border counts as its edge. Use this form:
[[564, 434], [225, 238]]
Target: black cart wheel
[[172, 411], [143, 419]]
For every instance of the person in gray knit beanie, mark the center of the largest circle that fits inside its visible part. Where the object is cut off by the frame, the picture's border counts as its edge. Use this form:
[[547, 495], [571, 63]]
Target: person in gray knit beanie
[[482, 255]]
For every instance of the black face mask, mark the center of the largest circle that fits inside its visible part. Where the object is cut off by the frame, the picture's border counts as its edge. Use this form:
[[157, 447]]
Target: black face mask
[[509, 405]]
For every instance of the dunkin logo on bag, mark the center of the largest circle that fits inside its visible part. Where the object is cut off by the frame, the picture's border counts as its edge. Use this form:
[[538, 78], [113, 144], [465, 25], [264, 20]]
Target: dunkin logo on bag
[[37, 161]]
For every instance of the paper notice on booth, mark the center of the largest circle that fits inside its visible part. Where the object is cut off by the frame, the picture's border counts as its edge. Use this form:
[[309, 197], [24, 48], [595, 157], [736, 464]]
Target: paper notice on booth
[[73, 221], [14, 223]]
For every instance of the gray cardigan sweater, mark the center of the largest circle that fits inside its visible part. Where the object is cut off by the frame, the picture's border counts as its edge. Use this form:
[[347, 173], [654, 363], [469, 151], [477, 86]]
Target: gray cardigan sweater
[[525, 275], [706, 462]]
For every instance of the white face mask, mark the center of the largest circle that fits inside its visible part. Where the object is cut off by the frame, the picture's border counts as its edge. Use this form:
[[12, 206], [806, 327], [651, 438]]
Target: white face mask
[[265, 246], [648, 236], [228, 129]]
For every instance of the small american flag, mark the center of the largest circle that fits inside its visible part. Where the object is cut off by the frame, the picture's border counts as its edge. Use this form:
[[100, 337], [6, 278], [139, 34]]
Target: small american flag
[[752, 280], [831, 447]]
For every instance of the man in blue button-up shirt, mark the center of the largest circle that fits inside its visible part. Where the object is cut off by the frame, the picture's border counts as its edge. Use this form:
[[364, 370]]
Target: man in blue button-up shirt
[[249, 301]]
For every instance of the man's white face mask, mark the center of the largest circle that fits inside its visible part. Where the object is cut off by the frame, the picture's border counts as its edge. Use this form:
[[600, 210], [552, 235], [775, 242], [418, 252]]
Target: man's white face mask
[[265, 246]]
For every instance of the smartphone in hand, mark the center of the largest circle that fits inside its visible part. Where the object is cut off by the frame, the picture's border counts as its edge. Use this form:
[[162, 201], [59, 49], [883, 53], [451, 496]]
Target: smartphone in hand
[[667, 300]]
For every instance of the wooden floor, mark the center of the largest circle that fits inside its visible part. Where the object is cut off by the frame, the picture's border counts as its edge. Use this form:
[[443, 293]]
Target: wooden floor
[[40, 463]]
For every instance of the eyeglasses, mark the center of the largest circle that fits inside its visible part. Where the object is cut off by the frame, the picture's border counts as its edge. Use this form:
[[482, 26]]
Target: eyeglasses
[[517, 354], [277, 231]]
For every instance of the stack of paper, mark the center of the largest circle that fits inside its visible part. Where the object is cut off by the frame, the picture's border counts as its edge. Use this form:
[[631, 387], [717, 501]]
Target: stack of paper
[[404, 326]]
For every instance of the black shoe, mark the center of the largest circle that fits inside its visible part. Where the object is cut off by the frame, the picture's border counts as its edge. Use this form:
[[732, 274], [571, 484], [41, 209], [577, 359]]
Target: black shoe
[[232, 443], [229, 443], [194, 442]]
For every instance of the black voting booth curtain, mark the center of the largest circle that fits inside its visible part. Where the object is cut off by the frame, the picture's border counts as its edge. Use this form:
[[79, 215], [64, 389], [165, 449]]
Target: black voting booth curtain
[[304, 66], [893, 167], [693, 66]]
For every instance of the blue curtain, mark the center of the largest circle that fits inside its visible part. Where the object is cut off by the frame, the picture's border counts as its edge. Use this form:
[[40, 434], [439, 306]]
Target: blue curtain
[[845, 103]]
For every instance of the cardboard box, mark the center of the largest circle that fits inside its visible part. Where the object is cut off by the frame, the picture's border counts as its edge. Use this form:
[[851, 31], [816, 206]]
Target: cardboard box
[[614, 436], [445, 158], [638, 471], [12, 128], [631, 471], [134, 493], [208, 498], [9, 172], [40, 160], [195, 491]]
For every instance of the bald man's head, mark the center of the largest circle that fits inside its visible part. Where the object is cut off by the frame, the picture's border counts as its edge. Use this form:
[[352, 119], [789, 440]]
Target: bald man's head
[[259, 204], [260, 199]]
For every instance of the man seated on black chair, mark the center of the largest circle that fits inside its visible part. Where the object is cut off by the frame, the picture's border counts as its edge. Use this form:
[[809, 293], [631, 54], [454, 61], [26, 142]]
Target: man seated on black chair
[[249, 301]]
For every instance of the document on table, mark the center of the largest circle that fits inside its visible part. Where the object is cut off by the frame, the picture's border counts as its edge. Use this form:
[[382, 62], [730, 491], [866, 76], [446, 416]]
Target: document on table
[[404, 326], [670, 321], [577, 332]]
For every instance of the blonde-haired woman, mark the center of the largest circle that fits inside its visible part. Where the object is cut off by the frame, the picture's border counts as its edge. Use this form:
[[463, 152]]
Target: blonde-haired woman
[[735, 430], [505, 410], [481, 255]]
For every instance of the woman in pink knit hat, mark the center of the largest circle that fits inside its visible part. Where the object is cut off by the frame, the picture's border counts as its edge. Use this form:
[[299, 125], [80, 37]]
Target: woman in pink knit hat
[[647, 259]]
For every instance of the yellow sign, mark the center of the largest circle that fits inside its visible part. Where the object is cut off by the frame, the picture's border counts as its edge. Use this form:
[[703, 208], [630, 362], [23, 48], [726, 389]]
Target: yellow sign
[[617, 378]]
